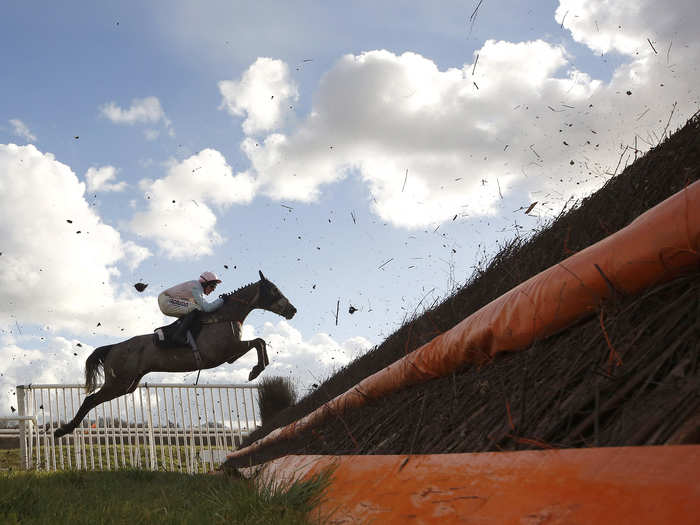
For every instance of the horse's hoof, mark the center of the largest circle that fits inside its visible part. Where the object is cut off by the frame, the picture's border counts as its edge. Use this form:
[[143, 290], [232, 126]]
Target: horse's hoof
[[255, 372], [60, 432]]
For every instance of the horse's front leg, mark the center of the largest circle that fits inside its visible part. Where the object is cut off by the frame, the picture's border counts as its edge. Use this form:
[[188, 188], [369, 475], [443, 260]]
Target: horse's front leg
[[263, 360], [242, 347]]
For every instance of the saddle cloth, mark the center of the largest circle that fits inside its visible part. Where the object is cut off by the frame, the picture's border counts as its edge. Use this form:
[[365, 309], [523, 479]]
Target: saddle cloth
[[164, 336]]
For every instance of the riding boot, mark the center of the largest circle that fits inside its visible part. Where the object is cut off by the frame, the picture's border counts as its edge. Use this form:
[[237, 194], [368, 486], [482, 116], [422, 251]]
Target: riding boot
[[180, 334]]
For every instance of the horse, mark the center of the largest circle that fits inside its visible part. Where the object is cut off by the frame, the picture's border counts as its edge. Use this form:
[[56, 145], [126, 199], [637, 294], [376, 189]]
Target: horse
[[219, 341]]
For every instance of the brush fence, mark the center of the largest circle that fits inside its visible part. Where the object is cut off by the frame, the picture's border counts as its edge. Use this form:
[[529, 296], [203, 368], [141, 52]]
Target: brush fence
[[183, 428]]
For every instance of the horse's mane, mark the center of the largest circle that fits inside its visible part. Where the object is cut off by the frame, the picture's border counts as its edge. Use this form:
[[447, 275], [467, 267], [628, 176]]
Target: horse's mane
[[228, 295]]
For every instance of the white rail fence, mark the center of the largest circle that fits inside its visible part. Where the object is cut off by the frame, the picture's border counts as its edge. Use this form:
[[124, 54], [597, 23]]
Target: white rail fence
[[183, 428]]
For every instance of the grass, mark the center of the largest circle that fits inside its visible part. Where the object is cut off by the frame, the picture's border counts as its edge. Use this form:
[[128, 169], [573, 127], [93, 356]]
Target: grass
[[144, 497], [9, 459]]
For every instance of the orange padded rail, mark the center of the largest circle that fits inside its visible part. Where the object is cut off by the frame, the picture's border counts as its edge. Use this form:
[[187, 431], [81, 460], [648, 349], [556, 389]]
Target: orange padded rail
[[627, 485], [660, 244]]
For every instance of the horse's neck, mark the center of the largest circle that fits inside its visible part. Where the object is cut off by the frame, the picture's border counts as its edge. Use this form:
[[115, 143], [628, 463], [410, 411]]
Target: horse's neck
[[238, 305]]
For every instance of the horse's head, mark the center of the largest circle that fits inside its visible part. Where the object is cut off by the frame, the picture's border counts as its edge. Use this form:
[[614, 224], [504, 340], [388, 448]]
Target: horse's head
[[272, 300]]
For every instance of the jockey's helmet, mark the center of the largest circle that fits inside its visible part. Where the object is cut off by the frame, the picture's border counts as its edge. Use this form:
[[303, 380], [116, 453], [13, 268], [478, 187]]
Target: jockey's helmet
[[209, 277]]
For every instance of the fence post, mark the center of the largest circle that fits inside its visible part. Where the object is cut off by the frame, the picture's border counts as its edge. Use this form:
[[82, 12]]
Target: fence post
[[22, 411], [151, 437]]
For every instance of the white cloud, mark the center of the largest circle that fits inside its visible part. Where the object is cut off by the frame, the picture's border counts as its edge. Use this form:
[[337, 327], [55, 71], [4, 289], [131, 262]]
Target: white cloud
[[179, 216], [520, 122], [423, 139], [263, 94], [625, 25], [146, 110], [98, 179], [50, 274], [20, 129], [135, 254], [40, 360]]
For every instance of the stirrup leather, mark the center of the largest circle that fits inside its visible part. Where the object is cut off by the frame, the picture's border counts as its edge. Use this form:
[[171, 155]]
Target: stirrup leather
[[195, 350]]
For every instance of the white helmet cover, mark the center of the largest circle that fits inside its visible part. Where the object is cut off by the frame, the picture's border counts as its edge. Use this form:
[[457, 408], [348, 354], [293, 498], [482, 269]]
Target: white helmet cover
[[208, 277]]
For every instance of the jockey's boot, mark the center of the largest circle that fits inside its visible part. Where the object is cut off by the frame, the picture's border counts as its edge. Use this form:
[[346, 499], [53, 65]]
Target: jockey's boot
[[180, 335]]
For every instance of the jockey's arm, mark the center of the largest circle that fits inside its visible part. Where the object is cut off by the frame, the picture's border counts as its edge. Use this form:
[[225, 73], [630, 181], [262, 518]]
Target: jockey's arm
[[203, 304]]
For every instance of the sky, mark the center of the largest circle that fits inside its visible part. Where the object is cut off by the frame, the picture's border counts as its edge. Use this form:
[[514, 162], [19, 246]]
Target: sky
[[361, 154]]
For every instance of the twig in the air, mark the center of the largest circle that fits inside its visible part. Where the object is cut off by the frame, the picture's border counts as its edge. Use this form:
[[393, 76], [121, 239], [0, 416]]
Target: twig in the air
[[652, 46], [384, 264], [472, 18]]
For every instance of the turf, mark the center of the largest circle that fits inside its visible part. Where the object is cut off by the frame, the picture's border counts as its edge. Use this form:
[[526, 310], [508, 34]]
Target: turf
[[139, 496]]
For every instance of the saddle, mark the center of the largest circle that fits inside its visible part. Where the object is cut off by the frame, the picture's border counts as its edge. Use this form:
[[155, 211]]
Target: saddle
[[175, 334]]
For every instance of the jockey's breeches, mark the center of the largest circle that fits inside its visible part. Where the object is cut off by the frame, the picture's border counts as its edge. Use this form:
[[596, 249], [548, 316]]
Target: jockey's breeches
[[175, 307]]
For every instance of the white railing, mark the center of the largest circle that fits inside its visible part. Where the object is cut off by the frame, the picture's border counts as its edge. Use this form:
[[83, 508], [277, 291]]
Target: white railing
[[159, 426]]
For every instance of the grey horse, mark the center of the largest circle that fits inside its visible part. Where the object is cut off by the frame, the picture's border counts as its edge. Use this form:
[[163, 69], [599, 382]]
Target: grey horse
[[219, 341]]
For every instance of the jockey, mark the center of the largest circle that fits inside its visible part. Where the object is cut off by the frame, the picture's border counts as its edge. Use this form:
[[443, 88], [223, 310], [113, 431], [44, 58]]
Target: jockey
[[182, 298], [186, 300]]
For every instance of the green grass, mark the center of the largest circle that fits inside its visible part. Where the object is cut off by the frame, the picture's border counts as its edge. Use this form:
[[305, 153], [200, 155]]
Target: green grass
[[144, 497], [9, 459]]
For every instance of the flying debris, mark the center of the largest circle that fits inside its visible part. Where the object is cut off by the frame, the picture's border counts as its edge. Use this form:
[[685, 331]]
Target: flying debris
[[140, 287], [384, 264]]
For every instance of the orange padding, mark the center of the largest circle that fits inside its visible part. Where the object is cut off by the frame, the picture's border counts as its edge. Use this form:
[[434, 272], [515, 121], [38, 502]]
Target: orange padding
[[657, 246], [635, 485]]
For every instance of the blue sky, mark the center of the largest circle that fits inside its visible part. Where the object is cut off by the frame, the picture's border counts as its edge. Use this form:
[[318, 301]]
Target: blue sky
[[383, 138]]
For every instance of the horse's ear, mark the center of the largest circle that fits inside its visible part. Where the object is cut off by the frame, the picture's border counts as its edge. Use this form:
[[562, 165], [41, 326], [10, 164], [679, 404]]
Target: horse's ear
[[262, 277]]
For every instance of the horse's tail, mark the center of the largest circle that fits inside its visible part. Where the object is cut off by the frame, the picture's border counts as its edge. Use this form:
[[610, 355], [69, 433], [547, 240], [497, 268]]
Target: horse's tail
[[93, 364]]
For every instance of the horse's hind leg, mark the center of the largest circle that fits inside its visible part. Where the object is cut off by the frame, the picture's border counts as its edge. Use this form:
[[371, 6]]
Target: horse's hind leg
[[107, 392]]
